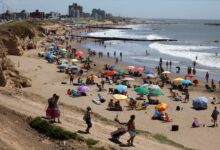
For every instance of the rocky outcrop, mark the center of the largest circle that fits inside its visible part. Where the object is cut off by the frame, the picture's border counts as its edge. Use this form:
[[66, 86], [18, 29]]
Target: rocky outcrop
[[15, 38]]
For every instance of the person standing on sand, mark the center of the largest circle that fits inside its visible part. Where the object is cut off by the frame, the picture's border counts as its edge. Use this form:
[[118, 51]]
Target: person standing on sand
[[87, 118], [214, 116], [121, 56], [167, 63], [131, 130], [71, 78], [207, 77], [170, 65]]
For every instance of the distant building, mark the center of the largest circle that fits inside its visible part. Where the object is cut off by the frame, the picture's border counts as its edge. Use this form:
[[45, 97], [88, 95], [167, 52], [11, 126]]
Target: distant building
[[7, 15], [37, 14], [53, 15], [75, 11], [98, 14], [22, 15]]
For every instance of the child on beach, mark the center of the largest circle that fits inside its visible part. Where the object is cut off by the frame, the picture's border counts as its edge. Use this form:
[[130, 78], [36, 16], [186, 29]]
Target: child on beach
[[87, 118]]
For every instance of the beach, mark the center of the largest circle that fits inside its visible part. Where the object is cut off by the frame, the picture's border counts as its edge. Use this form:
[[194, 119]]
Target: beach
[[46, 80]]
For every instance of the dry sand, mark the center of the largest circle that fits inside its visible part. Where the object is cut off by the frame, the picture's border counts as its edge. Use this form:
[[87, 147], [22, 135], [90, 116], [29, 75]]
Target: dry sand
[[47, 80]]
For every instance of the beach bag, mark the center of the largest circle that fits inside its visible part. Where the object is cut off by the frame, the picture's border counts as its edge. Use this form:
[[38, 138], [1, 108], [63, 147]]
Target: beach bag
[[177, 108]]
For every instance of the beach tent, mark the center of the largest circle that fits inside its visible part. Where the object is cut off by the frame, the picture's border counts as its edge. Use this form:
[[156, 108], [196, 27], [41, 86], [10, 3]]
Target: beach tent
[[141, 90], [121, 87], [200, 103], [162, 107], [79, 53], [148, 72], [119, 97], [120, 72]]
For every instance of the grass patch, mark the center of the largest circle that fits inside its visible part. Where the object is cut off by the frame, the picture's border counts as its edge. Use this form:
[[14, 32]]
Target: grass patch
[[91, 142], [163, 139], [53, 131], [58, 133]]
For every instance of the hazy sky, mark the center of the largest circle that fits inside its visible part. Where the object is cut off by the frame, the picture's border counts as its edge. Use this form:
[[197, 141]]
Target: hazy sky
[[182, 9]]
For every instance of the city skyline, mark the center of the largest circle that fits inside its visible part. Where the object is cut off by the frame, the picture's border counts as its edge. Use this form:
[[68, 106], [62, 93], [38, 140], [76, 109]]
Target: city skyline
[[172, 9]]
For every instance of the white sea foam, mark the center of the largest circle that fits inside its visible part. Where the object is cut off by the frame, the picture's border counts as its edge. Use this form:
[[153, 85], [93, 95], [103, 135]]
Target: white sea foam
[[189, 52], [155, 37]]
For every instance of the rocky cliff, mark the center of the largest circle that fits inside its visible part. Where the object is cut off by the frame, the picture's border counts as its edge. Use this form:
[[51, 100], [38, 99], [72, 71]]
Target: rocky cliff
[[15, 38]]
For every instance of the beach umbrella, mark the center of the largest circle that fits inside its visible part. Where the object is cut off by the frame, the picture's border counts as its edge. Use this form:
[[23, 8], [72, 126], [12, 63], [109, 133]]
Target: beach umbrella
[[83, 89], [128, 79], [190, 75], [111, 67], [141, 90], [120, 72], [119, 97], [166, 72], [79, 53], [52, 56], [121, 87], [59, 45], [148, 72], [153, 87], [62, 66], [131, 67], [63, 51], [156, 93], [145, 85], [110, 72], [73, 67], [63, 61], [151, 76], [139, 68], [178, 79], [200, 103], [186, 82], [74, 60], [161, 106]]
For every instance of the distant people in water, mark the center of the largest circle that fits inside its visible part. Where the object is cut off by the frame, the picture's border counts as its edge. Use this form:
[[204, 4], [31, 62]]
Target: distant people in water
[[120, 56], [207, 77], [216, 54], [196, 57], [147, 53]]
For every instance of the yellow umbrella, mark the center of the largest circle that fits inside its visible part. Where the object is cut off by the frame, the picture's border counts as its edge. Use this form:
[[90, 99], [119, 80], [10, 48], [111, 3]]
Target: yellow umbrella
[[119, 97], [178, 79], [162, 106]]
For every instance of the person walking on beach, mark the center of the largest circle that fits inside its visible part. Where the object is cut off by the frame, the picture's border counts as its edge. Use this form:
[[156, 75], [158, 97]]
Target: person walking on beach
[[194, 64], [214, 116], [194, 71], [103, 84], [121, 56], [87, 118], [170, 65], [187, 97], [207, 77], [167, 63], [131, 130], [114, 53], [71, 78]]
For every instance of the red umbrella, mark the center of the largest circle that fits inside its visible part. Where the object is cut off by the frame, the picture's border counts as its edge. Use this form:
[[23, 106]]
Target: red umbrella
[[190, 75], [110, 72], [139, 68], [79, 53]]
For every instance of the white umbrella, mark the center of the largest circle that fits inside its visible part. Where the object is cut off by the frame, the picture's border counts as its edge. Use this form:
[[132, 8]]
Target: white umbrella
[[131, 67], [166, 72], [74, 60], [128, 79]]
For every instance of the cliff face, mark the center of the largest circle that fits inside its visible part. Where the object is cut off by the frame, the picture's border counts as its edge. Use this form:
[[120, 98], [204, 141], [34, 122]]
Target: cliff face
[[15, 38]]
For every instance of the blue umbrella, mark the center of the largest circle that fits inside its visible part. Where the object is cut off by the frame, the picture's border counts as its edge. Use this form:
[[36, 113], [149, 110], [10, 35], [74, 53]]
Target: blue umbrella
[[73, 67], [200, 103], [111, 67], [149, 72], [121, 87], [186, 82]]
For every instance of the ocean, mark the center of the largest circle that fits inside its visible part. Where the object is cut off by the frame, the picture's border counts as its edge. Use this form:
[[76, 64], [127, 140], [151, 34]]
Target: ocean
[[194, 39]]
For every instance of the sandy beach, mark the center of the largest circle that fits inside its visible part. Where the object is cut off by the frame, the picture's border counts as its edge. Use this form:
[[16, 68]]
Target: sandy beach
[[46, 80]]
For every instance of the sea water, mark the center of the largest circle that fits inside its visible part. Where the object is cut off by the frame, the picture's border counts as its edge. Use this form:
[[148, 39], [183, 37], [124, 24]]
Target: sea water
[[194, 39]]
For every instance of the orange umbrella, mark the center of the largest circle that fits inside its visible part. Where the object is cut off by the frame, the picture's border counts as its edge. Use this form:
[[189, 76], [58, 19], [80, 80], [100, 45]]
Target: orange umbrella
[[79, 53], [110, 72], [190, 75], [162, 106]]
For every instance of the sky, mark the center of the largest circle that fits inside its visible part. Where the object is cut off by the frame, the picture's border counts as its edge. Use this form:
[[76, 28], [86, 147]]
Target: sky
[[170, 9]]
